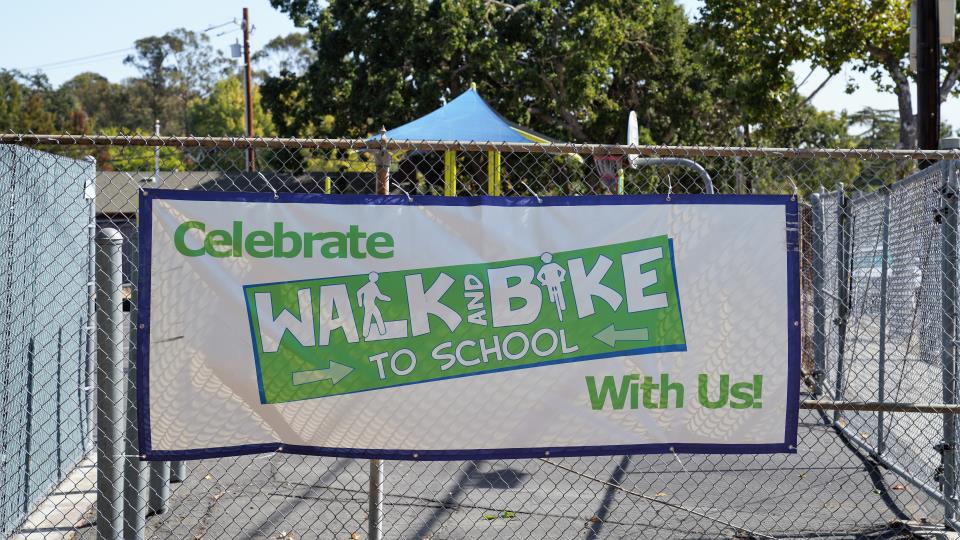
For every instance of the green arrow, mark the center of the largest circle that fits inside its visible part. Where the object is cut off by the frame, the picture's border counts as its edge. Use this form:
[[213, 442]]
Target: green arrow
[[611, 335], [335, 373]]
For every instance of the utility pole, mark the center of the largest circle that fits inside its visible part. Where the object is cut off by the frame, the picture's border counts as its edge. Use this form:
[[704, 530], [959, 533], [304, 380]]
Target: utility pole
[[928, 76], [248, 84]]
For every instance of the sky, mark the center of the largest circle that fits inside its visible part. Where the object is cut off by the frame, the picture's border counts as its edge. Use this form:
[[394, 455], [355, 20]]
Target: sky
[[64, 38]]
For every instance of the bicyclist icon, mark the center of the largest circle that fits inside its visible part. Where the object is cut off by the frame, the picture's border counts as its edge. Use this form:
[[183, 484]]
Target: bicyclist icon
[[552, 276]]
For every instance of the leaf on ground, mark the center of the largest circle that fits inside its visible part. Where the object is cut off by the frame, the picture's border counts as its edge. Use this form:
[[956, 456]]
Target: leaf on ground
[[506, 514], [660, 494], [355, 536], [898, 487], [594, 519]]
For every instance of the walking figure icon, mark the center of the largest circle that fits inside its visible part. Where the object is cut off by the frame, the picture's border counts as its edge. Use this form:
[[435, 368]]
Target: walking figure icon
[[552, 276], [367, 297]]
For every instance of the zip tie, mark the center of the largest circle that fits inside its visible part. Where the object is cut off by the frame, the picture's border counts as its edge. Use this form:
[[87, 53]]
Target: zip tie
[[669, 187], [409, 198], [539, 200], [136, 182], [677, 456], [267, 182]]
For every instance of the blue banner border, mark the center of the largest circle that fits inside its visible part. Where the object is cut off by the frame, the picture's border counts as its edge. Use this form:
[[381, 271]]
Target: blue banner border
[[789, 444]]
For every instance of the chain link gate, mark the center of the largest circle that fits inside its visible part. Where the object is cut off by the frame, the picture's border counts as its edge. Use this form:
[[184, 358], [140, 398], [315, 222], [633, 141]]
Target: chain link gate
[[877, 432]]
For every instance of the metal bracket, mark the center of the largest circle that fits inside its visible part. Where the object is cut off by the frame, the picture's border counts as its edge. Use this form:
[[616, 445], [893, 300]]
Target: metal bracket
[[946, 192]]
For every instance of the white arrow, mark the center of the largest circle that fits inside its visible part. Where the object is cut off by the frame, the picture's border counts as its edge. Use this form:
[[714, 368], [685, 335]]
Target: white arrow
[[335, 373], [610, 335]]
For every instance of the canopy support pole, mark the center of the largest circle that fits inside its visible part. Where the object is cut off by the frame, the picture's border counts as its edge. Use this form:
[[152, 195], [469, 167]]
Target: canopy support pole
[[382, 160], [449, 173], [493, 174]]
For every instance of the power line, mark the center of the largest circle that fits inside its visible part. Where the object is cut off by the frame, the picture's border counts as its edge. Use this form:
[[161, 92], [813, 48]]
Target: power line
[[102, 56], [81, 58], [94, 61]]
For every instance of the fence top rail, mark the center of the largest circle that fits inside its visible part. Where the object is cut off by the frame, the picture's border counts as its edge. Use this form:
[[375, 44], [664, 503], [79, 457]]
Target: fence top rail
[[473, 146]]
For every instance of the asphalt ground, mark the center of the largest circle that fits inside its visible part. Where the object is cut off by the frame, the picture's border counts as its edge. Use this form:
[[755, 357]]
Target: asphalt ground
[[828, 489]]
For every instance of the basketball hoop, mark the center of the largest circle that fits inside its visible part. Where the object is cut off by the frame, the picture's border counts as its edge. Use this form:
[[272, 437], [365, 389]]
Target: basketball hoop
[[608, 169]]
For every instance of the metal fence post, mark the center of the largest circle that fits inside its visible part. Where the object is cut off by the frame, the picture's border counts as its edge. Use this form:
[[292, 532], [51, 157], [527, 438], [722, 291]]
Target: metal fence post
[[375, 502], [109, 384], [91, 327], [948, 281], [844, 244], [28, 428], [375, 494], [159, 487], [884, 268], [819, 304], [135, 470]]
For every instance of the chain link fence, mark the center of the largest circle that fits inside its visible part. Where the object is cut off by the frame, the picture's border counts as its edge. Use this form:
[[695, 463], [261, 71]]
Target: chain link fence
[[878, 273]]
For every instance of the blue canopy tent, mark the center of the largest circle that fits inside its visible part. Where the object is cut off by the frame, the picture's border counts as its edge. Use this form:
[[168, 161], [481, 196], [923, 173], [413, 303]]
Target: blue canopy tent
[[468, 118]]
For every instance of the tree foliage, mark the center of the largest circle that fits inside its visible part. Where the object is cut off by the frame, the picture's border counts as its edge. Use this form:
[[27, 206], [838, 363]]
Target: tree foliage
[[222, 112], [760, 41], [174, 69], [572, 69]]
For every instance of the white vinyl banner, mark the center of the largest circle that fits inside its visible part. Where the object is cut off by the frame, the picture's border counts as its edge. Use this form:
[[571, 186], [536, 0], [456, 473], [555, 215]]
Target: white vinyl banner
[[459, 328]]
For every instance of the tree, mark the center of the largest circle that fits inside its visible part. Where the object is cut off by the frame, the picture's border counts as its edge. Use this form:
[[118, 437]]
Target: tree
[[290, 54], [761, 41], [175, 68], [565, 66], [25, 103], [222, 112], [101, 104], [677, 97], [570, 68], [575, 52]]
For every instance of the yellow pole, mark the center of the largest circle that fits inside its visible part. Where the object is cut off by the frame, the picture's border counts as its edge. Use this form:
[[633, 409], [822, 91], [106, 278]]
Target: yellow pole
[[493, 173], [450, 173], [326, 185], [619, 181]]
